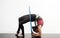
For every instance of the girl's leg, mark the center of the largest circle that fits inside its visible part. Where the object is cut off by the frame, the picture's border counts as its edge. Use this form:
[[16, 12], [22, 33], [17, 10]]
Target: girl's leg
[[22, 28], [19, 28], [22, 21]]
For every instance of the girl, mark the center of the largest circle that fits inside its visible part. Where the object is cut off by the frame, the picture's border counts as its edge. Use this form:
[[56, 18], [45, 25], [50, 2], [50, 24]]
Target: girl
[[26, 18]]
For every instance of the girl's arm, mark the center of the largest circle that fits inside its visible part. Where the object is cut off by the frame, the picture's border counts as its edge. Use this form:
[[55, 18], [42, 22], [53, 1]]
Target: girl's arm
[[39, 31]]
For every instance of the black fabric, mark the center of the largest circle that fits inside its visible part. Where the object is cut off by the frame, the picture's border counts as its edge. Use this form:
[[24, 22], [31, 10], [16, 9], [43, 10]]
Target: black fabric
[[26, 18], [33, 17]]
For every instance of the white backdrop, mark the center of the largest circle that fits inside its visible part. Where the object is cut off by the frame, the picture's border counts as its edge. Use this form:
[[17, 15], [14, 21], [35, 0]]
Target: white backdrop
[[11, 10]]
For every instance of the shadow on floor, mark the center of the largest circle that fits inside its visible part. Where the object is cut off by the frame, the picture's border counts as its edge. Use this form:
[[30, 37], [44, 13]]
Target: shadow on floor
[[10, 35]]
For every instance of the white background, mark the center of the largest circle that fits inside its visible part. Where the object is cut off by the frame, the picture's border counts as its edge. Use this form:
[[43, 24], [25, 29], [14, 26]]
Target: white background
[[11, 10]]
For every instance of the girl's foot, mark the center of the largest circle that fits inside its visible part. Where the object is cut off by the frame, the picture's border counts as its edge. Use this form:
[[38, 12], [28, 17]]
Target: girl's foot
[[18, 35]]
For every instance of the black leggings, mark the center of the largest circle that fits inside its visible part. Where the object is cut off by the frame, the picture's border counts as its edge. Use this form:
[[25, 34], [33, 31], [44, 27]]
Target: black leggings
[[23, 20]]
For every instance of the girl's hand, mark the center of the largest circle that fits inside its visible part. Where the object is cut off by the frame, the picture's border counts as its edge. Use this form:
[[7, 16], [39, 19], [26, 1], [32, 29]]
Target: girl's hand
[[35, 34]]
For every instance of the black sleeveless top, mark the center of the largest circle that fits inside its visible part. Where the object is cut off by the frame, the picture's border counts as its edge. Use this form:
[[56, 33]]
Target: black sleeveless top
[[33, 17]]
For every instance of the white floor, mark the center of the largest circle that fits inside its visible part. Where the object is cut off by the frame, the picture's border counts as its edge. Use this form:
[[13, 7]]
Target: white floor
[[7, 35]]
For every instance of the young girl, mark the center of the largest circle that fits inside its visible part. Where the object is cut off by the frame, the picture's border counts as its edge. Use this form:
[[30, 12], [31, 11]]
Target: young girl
[[26, 18]]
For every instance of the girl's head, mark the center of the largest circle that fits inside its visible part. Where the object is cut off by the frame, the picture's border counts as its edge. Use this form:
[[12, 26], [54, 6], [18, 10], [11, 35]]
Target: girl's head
[[39, 20]]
